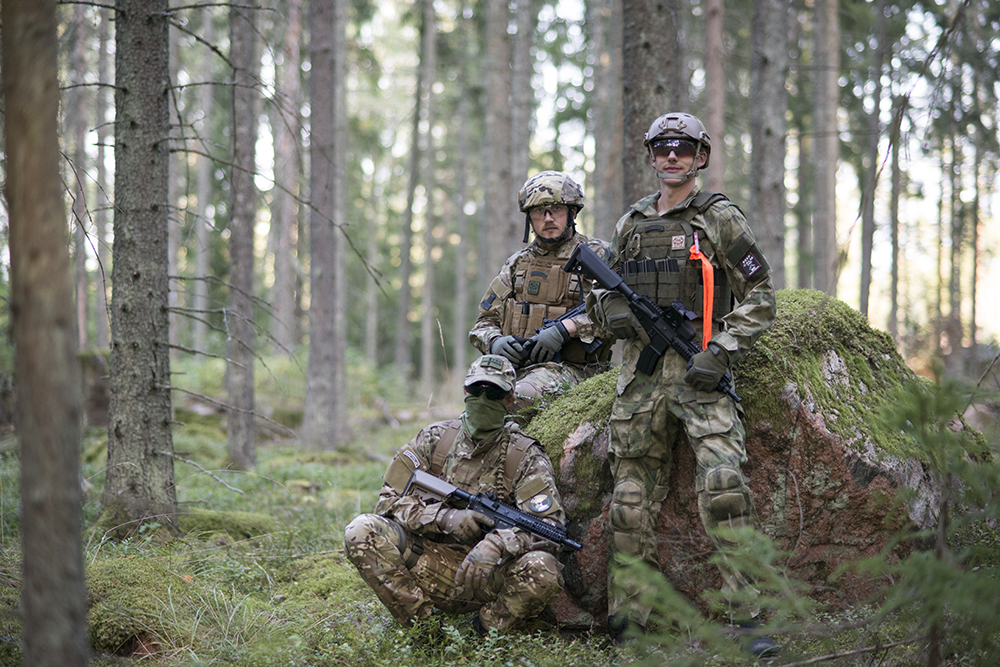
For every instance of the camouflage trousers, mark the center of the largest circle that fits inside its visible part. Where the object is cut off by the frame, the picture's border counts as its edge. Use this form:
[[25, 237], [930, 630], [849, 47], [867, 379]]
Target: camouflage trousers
[[538, 380], [646, 421], [411, 584]]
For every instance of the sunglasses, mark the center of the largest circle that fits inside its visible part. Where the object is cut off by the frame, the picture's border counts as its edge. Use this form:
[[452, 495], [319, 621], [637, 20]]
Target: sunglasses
[[538, 213], [680, 147], [493, 392]]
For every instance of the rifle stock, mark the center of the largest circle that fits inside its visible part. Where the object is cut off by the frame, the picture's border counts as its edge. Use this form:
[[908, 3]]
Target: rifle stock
[[428, 487], [666, 327]]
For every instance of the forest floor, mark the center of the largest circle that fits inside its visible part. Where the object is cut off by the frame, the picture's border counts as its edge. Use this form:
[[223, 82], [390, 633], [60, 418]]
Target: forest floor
[[258, 578]]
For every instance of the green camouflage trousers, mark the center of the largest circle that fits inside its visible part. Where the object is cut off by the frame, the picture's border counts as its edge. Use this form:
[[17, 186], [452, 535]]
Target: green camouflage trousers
[[410, 585], [539, 380], [646, 421]]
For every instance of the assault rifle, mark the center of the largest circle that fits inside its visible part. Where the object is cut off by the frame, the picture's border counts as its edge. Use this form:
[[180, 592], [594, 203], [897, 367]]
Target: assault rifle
[[428, 487], [666, 326], [528, 343]]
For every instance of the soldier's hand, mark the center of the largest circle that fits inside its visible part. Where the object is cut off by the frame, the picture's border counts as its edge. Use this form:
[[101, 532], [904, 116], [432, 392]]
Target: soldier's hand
[[474, 573], [464, 525], [706, 368], [548, 342], [508, 346], [621, 320]]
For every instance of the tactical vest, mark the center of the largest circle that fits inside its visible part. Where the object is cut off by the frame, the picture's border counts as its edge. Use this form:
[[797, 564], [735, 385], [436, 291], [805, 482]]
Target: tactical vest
[[657, 263], [542, 290], [516, 450]]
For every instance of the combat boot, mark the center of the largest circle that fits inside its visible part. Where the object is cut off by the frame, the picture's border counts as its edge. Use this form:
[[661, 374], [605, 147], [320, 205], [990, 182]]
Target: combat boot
[[760, 647]]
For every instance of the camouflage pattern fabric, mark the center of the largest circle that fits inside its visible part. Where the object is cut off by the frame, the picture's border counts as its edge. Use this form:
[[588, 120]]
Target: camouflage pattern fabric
[[539, 379], [650, 411], [386, 547]]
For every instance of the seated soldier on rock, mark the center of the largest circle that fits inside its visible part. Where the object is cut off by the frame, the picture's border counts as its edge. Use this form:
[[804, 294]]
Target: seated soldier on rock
[[418, 554]]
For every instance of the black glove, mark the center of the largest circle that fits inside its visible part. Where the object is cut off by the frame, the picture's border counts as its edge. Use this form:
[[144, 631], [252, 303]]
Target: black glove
[[548, 342], [706, 368], [507, 346]]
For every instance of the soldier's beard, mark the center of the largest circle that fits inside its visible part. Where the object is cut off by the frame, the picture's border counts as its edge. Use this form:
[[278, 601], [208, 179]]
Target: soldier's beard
[[482, 417]]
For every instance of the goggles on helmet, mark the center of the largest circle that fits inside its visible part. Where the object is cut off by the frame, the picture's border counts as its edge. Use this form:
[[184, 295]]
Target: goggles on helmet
[[682, 148]]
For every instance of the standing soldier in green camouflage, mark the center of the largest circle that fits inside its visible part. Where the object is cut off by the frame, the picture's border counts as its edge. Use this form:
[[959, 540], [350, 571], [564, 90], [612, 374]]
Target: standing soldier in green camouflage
[[531, 290], [682, 244], [417, 555]]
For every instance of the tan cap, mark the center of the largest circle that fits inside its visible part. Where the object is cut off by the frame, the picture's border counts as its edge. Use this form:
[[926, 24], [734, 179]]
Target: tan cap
[[494, 369]]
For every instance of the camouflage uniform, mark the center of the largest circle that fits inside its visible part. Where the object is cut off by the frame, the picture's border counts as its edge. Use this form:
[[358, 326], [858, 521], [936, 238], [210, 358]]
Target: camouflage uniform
[[532, 287], [649, 411], [401, 553]]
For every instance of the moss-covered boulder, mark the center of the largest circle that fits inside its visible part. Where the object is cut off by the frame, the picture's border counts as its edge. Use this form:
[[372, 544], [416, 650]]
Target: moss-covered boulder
[[822, 469]]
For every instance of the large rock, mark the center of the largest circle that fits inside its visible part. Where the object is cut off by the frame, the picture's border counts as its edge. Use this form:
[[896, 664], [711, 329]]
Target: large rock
[[820, 466]]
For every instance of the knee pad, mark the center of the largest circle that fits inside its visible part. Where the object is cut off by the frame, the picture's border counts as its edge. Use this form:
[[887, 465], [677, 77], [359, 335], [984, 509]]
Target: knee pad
[[728, 497], [627, 505]]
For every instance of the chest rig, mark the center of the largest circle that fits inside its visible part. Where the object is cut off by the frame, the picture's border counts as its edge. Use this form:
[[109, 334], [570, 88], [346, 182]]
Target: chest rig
[[657, 261], [542, 290]]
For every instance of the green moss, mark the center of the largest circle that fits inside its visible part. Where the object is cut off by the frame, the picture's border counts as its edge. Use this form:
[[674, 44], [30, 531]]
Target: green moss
[[134, 599], [328, 578], [835, 360], [590, 401], [238, 525]]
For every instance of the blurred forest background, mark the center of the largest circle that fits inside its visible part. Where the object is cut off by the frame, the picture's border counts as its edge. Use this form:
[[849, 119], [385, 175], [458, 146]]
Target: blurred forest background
[[859, 137]]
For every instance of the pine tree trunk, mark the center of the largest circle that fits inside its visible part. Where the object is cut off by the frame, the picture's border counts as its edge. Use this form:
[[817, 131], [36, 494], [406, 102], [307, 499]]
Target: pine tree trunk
[[50, 406], [286, 175], [323, 419], [428, 65], [203, 226], [652, 75], [606, 44], [242, 426], [503, 221], [101, 335], [715, 91], [768, 128], [139, 485], [827, 145]]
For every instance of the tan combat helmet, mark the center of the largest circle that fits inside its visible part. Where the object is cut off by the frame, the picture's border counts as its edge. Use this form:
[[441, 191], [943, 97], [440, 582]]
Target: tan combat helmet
[[549, 187], [679, 125]]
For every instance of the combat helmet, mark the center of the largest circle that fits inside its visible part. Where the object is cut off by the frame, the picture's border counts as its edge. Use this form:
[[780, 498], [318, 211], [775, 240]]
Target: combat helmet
[[680, 125], [550, 187]]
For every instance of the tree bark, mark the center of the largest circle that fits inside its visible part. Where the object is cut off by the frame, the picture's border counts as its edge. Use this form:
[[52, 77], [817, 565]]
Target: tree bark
[[428, 66], [827, 146], [503, 221], [872, 168], [652, 81], [606, 46], [101, 335], [240, 347], [715, 90], [402, 358], [768, 129], [286, 175], [76, 122], [324, 414], [139, 485], [50, 405], [203, 226]]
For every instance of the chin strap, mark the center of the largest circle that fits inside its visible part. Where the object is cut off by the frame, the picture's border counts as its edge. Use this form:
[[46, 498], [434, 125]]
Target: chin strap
[[708, 291]]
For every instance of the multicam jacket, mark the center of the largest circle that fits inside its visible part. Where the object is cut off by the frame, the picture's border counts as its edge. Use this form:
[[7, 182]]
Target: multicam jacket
[[532, 287], [745, 304], [508, 464]]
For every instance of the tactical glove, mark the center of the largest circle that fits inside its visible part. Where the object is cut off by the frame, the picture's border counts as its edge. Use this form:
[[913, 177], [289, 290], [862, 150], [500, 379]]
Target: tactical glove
[[474, 573], [620, 318], [463, 525], [508, 346], [548, 342], [706, 368]]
